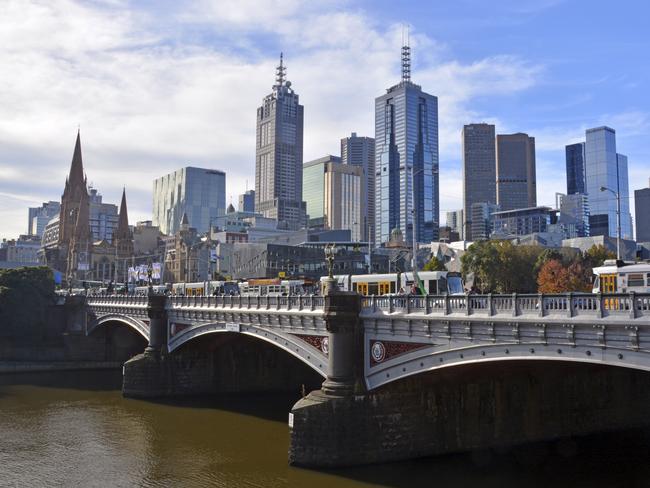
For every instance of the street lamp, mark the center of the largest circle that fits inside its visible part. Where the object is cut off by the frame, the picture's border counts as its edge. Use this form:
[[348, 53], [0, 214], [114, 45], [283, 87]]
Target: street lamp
[[618, 219]]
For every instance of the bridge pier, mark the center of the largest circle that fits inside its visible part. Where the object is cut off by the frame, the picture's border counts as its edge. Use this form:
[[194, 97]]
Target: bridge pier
[[474, 407], [147, 375]]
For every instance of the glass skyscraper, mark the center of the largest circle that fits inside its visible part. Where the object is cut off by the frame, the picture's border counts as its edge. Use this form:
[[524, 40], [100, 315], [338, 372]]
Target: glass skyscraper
[[516, 177], [479, 172], [406, 160], [199, 193], [278, 155], [575, 169], [606, 168]]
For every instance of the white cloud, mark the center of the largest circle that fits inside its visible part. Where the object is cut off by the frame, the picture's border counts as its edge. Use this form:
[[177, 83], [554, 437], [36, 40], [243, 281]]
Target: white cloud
[[148, 104]]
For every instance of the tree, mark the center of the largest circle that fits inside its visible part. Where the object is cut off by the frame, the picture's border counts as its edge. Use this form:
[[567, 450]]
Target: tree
[[480, 263], [596, 255], [553, 277], [434, 264]]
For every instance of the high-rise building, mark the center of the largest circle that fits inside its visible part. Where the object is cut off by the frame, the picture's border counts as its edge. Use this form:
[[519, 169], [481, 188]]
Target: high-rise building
[[521, 221], [103, 217], [576, 181], [360, 151], [335, 195], [278, 155], [200, 193], [605, 168], [247, 201], [642, 210], [479, 170], [574, 214], [38, 217], [406, 160], [516, 179], [455, 221], [482, 220]]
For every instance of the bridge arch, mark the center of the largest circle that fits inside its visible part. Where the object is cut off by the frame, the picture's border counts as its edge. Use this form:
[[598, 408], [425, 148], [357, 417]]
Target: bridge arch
[[137, 325], [292, 344], [434, 358]]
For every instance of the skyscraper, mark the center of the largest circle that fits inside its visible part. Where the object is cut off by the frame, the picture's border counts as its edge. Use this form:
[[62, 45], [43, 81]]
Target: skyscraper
[[605, 168], [642, 208], [247, 201], [335, 195], [278, 155], [516, 179], [479, 170], [360, 151], [406, 160], [455, 221], [38, 217], [200, 193], [575, 169]]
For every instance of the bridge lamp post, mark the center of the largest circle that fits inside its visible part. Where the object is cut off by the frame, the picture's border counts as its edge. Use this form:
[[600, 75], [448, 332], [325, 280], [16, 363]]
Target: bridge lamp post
[[618, 219]]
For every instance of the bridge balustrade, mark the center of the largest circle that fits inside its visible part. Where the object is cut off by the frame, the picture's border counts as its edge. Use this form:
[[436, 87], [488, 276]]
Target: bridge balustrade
[[557, 305], [298, 302]]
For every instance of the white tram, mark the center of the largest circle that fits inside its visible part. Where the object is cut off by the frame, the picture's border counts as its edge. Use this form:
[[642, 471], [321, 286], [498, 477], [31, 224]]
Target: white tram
[[435, 283], [620, 277], [205, 288], [274, 287]]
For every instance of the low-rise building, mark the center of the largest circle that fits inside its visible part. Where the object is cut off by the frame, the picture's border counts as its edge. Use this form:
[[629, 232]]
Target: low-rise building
[[521, 222]]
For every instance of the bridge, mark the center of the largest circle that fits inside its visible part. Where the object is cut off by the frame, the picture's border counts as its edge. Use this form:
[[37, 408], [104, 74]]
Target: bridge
[[385, 358]]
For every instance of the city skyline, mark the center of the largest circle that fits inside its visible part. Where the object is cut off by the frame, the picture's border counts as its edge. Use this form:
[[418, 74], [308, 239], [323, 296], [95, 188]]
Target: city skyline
[[137, 130]]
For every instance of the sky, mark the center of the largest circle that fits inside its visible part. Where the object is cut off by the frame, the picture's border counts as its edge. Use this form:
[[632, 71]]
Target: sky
[[155, 85]]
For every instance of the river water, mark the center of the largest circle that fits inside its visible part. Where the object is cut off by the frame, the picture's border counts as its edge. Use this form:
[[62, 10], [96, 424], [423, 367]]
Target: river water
[[75, 429]]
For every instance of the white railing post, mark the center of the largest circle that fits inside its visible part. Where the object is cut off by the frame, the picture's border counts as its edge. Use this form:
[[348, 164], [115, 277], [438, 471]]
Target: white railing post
[[569, 305]]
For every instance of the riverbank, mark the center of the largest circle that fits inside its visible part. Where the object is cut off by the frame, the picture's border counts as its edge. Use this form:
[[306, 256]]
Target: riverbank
[[10, 367]]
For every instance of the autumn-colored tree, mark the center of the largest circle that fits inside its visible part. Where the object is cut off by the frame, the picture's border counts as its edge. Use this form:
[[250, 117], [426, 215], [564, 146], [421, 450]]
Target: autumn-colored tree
[[434, 264], [553, 277]]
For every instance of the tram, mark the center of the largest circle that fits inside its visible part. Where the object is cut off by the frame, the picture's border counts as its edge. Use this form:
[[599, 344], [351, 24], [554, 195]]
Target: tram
[[620, 277], [434, 282], [205, 288], [275, 287]]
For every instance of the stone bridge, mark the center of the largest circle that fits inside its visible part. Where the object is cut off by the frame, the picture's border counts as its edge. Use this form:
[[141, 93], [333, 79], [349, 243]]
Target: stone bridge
[[407, 376]]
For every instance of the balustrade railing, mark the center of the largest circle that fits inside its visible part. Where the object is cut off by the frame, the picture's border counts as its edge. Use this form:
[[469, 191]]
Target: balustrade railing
[[298, 302], [630, 305]]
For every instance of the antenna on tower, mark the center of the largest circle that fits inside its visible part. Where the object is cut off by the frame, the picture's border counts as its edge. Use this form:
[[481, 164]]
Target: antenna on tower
[[280, 72], [406, 55]]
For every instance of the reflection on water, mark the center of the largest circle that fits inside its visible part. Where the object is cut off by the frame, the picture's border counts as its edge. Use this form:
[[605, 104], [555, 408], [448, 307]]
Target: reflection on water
[[75, 429]]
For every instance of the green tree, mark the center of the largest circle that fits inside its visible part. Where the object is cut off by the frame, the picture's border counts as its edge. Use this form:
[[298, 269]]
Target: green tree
[[480, 263], [434, 264], [596, 255]]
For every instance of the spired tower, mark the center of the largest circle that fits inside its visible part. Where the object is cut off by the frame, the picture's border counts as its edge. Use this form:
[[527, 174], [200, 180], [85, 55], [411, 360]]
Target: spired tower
[[72, 254], [123, 241], [278, 155], [406, 160]]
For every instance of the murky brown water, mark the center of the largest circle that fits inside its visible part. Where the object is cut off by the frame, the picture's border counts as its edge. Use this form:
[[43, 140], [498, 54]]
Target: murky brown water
[[75, 429]]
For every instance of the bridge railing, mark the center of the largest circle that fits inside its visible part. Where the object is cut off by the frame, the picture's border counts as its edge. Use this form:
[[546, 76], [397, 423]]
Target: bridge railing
[[117, 300], [297, 302], [630, 305]]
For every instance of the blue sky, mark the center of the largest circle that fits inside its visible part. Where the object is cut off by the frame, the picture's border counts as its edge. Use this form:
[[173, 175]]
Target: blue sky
[[156, 85]]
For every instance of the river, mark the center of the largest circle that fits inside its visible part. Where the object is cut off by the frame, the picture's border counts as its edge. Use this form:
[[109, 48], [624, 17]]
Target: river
[[75, 429]]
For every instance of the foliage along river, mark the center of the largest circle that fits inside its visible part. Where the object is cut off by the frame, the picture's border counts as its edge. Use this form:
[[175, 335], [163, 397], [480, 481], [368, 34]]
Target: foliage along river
[[75, 429]]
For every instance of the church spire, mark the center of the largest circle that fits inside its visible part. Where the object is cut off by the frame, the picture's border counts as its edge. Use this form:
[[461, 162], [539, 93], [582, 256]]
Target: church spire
[[122, 231], [76, 168]]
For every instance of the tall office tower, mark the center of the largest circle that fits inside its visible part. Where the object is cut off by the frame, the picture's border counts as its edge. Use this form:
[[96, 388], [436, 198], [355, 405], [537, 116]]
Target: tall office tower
[[103, 217], [516, 180], [479, 170], [406, 160], [335, 195], [642, 209], [575, 169], [38, 217], [199, 193], [360, 151], [574, 214], [278, 155], [455, 221], [605, 168], [482, 220], [247, 201]]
